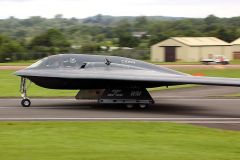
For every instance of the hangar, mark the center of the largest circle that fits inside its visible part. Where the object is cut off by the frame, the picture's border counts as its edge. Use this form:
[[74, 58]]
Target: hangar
[[236, 48], [190, 49]]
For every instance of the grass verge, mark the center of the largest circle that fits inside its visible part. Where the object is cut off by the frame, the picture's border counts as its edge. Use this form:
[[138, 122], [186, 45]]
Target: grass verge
[[115, 140], [174, 63], [216, 72], [9, 87], [18, 63], [234, 62], [172, 87]]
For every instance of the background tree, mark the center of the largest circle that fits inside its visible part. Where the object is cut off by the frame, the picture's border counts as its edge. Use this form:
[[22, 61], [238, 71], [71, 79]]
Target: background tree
[[10, 50], [44, 36], [127, 40], [51, 42]]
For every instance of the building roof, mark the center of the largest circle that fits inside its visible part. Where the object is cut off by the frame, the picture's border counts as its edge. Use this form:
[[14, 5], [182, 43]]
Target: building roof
[[236, 42], [201, 41]]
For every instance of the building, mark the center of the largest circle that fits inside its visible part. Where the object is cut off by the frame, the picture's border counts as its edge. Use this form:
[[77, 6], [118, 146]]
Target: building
[[236, 48], [190, 49]]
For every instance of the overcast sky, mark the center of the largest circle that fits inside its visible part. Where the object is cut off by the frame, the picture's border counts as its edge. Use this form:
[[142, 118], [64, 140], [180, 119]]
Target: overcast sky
[[85, 8]]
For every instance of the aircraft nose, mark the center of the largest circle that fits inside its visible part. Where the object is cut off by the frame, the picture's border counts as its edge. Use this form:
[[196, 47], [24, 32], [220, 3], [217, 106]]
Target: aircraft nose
[[20, 72]]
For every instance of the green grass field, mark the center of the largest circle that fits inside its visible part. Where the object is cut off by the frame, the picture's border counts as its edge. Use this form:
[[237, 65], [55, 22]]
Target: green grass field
[[18, 63], [9, 87], [9, 83], [174, 63], [115, 141], [218, 72], [235, 61], [186, 63]]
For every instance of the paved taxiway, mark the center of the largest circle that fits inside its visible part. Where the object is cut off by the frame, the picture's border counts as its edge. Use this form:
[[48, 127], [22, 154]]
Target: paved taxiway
[[220, 113], [189, 105], [163, 109]]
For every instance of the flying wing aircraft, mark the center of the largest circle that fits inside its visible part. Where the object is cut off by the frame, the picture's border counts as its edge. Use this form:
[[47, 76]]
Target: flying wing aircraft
[[110, 79]]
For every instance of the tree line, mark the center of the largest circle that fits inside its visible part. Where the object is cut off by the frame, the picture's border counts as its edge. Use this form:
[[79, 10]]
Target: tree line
[[37, 37]]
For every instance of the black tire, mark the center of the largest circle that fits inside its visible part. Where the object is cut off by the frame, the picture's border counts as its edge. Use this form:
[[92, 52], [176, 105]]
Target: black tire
[[25, 103], [225, 63], [143, 106], [129, 106]]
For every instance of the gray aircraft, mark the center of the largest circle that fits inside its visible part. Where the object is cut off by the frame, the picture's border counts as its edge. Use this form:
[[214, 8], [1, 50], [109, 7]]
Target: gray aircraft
[[109, 79]]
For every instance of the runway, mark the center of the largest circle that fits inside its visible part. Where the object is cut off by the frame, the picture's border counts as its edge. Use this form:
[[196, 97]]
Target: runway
[[219, 113], [201, 105]]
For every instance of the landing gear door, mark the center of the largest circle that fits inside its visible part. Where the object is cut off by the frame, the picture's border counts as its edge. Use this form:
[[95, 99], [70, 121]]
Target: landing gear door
[[89, 94], [126, 95]]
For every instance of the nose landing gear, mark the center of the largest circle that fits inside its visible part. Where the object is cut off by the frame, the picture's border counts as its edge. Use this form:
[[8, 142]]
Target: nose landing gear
[[23, 89]]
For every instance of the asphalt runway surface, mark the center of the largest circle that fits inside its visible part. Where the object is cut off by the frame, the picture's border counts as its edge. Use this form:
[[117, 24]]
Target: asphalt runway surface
[[201, 106]]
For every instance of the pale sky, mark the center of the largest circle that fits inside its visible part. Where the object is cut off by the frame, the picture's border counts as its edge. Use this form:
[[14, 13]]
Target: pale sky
[[86, 8]]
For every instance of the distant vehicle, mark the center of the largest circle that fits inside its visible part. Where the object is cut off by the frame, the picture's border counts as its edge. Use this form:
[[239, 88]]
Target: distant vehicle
[[217, 59]]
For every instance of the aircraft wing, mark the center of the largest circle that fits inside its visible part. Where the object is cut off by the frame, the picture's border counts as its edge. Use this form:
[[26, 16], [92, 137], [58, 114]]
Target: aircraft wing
[[142, 76], [198, 80], [155, 77]]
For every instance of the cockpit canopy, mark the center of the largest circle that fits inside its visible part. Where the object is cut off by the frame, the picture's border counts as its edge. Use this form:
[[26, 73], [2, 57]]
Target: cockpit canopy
[[82, 61], [72, 61], [58, 61]]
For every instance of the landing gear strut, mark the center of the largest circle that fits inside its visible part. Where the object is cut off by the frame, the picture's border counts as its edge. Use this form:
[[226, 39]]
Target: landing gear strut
[[23, 89]]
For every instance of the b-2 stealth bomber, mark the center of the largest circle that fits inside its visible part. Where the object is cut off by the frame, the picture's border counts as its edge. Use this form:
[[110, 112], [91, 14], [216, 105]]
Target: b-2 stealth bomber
[[109, 79]]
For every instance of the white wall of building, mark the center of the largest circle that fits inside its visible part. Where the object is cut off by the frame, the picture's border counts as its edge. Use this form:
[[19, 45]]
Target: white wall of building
[[236, 48], [189, 53]]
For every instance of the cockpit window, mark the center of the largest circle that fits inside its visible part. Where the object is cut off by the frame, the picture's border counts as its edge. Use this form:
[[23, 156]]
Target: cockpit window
[[52, 62], [69, 62], [37, 64]]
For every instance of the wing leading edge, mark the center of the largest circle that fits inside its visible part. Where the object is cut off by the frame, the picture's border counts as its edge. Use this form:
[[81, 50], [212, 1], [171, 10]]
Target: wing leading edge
[[158, 79]]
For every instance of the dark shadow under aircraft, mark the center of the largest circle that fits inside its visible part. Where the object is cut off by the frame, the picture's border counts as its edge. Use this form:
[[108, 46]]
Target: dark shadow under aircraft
[[109, 79]]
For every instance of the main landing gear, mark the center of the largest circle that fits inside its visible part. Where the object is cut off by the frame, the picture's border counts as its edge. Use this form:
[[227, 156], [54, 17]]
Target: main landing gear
[[141, 106], [130, 97], [23, 89]]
